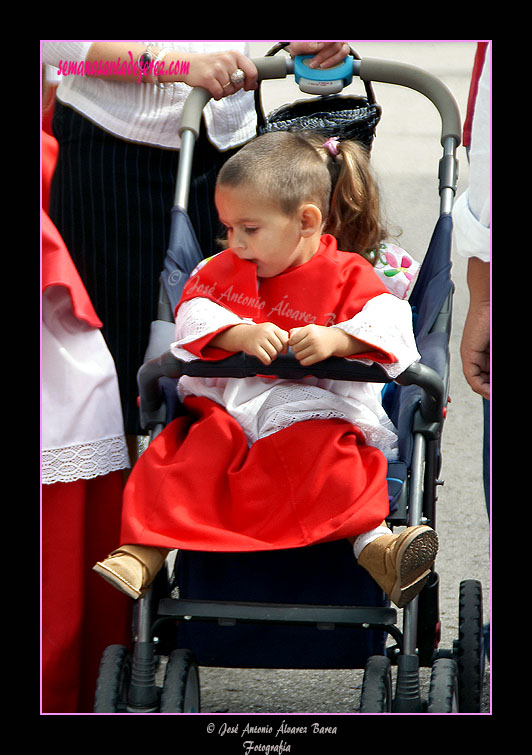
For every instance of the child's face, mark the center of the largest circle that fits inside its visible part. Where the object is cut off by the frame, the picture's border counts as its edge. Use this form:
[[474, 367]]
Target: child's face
[[259, 231]]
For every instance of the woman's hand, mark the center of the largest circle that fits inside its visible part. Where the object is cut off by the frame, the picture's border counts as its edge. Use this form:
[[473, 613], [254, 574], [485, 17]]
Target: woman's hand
[[212, 71], [326, 54], [209, 70]]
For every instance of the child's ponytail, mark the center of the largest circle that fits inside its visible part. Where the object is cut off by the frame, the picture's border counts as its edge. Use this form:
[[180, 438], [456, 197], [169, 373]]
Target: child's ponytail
[[355, 214]]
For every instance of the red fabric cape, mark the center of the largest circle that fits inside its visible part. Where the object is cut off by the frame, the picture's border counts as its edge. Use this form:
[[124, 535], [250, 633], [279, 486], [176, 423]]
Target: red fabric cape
[[332, 287], [199, 487], [57, 267]]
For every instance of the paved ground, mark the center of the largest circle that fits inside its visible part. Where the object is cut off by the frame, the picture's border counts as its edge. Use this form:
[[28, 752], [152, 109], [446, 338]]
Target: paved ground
[[406, 156]]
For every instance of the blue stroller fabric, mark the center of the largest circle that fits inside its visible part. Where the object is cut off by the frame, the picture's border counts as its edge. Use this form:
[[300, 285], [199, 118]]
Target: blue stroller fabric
[[432, 289], [182, 256], [325, 574], [433, 283]]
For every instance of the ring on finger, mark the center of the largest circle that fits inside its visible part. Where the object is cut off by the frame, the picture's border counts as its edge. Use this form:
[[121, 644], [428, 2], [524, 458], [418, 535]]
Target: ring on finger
[[237, 77]]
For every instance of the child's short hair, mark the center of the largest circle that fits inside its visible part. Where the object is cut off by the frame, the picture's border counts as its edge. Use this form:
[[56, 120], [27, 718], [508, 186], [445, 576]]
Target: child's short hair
[[283, 168], [290, 168]]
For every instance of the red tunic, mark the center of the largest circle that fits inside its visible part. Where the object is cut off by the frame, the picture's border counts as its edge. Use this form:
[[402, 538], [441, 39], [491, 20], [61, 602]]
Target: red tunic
[[330, 288], [199, 487], [58, 268]]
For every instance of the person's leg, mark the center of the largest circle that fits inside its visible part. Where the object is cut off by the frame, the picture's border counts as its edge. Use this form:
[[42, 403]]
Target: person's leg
[[63, 523], [106, 614], [486, 462]]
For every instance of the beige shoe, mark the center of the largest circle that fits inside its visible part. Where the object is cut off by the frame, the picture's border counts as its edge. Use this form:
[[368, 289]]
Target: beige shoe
[[401, 564], [132, 568]]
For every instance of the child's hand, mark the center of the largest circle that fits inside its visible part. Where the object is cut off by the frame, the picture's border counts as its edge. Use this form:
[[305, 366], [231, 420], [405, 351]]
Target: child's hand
[[313, 343], [264, 340]]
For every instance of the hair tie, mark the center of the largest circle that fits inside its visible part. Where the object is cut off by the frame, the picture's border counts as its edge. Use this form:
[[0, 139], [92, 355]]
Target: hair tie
[[332, 145]]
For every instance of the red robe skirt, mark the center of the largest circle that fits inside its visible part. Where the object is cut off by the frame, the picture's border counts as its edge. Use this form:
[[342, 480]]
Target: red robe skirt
[[199, 487]]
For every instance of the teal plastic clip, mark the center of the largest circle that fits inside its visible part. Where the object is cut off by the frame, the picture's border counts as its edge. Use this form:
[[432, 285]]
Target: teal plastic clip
[[322, 80]]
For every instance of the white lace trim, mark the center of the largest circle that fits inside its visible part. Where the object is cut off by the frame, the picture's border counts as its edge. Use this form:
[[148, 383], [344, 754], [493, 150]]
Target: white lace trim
[[385, 322], [288, 403], [197, 318], [84, 461]]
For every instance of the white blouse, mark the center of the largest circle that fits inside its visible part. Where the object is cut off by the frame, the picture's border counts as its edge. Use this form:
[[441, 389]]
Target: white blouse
[[150, 113], [472, 209]]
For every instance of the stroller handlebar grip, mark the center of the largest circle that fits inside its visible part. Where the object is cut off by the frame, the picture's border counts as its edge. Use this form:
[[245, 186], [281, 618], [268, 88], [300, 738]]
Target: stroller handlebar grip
[[369, 70], [273, 68], [433, 397], [268, 68], [413, 77], [285, 367], [191, 116]]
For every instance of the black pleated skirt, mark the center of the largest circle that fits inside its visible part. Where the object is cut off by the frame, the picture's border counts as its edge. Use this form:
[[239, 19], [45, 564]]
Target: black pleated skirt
[[111, 201]]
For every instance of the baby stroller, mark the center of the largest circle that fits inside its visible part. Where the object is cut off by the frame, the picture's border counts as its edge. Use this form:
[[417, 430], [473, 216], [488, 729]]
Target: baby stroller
[[312, 607]]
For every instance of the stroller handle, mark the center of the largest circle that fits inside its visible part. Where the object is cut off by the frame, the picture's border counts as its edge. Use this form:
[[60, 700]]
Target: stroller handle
[[268, 68], [413, 77], [286, 367], [368, 69], [189, 123]]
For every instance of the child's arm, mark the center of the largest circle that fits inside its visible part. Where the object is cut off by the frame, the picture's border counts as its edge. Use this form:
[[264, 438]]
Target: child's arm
[[313, 343], [198, 321], [381, 332], [264, 340]]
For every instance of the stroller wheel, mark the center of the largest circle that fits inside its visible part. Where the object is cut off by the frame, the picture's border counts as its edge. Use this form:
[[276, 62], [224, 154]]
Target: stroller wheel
[[376, 694], [113, 681], [181, 691], [443, 691], [468, 649]]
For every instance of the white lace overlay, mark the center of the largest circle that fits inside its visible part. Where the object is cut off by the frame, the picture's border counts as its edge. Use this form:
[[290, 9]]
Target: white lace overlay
[[197, 318], [82, 427], [84, 460], [288, 403], [385, 322]]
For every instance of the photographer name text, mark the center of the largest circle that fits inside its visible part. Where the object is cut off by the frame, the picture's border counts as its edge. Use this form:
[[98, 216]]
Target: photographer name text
[[278, 733]]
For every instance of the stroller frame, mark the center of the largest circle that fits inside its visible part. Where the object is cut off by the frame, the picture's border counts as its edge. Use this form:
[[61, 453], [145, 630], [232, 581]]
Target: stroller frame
[[450, 672]]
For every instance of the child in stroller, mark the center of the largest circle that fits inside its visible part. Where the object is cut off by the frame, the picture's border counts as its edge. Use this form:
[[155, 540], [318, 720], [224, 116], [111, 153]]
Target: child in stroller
[[288, 464]]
